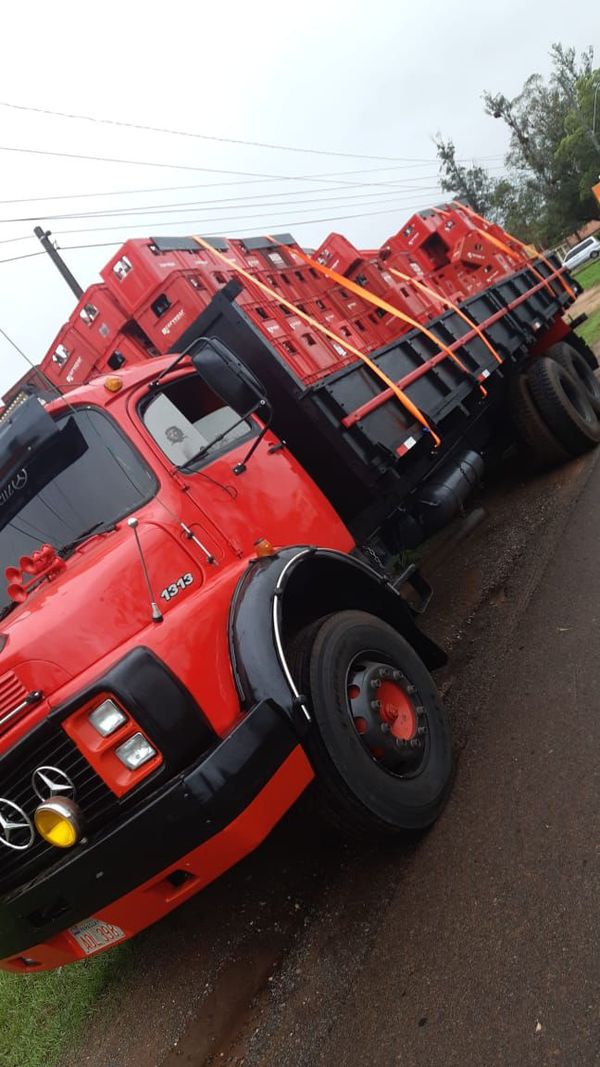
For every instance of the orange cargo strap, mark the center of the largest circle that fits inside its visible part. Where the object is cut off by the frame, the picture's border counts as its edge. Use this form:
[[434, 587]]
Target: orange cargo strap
[[522, 245], [404, 400], [418, 284], [364, 294]]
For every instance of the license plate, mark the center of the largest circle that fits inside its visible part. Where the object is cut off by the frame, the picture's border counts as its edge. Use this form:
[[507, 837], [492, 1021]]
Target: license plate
[[93, 935]]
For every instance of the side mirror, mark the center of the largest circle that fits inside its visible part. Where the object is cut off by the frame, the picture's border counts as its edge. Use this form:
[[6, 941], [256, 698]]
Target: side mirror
[[227, 376]]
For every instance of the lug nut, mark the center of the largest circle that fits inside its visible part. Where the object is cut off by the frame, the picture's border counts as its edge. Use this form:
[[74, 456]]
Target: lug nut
[[375, 705], [415, 743], [375, 683], [385, 727], [421, 730]]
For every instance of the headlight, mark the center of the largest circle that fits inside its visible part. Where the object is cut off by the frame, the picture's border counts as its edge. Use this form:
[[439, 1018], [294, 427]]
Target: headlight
[[107, 718], [58, 821], [135, 751]]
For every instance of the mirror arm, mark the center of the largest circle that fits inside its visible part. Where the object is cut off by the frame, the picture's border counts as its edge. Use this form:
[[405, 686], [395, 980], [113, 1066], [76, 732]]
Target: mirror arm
[[241, 466], [177, 360]]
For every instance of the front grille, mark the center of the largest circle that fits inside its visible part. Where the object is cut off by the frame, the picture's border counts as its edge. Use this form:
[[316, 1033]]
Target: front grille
[[12, 692], [48, 746]]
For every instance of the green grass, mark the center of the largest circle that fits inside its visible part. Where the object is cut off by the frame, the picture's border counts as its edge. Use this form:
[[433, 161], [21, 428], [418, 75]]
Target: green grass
[[41, 1014], [590, 329], [589, 276]]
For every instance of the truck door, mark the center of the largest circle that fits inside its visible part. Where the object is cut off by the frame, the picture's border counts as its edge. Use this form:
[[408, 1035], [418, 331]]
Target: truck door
[[205, 441]]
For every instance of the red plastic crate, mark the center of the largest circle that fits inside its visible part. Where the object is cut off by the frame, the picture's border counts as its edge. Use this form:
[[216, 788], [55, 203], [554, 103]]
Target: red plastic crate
[[98, 318], [69, 360], [337, 253], [136, 270], [170, 309]]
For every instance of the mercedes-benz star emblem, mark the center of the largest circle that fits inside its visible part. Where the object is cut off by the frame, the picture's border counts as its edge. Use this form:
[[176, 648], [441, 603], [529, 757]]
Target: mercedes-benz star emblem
[[20, 480], [16, 829], [51, 782]]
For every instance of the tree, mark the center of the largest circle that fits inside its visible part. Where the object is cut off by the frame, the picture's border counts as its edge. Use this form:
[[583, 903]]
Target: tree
[[471, 184], [553, 157]]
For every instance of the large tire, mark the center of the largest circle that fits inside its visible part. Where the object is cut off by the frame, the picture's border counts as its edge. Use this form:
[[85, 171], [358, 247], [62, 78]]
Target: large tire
[[583, 348], [573, 361], [538, 443], [379, 770], [564, 405]]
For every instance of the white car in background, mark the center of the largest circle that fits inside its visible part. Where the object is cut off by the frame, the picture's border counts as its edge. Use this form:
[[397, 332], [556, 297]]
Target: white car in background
[[588, 249]]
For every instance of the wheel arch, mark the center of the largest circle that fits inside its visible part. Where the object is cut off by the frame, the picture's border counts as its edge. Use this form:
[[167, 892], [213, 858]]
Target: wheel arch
[[280, 594]]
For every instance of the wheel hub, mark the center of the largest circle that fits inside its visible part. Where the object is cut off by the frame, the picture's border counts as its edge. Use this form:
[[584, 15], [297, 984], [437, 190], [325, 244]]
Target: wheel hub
[[387, 714]]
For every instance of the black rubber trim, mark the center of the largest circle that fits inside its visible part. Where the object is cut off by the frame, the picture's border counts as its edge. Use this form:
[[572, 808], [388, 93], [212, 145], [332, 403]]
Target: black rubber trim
[[259, 598], [168, 825], [252, 244], [187, 244], [158, 701]]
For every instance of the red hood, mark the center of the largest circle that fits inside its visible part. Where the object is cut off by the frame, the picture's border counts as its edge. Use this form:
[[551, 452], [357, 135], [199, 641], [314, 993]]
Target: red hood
[[98, 603]]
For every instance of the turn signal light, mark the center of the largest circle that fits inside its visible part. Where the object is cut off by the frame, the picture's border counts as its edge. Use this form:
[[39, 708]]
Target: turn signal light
[[264, 548], [113, 383]]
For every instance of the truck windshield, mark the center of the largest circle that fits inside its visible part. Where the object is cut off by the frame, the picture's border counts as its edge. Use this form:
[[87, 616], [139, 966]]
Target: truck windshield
[[94, 480]]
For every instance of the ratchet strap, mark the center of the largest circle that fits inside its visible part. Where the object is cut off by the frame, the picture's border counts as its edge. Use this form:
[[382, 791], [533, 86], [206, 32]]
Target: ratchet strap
[[364, 294], [418, 284], [401, 396]]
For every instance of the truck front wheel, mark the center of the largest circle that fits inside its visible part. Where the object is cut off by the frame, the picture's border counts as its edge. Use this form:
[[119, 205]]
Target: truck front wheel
[[380, 741]]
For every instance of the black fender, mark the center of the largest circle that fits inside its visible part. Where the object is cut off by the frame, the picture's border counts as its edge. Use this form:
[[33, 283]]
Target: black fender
[[278, 595]]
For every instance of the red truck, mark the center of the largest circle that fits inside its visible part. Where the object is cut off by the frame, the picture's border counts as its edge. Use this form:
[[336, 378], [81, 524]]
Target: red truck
[[206, 556]]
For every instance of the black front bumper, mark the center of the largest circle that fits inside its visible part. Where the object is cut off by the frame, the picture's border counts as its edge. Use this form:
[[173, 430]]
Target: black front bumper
[[167, 825]]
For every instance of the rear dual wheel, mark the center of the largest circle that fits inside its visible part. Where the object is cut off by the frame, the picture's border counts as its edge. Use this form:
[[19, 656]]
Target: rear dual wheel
[[379, 740], [564, 393], [555, 404]]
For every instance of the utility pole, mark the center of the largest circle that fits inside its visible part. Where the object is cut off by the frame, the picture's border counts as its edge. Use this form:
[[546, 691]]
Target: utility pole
[[43, 236]]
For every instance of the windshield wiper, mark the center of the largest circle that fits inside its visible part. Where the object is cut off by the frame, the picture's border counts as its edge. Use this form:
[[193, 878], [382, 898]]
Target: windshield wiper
[[96, 527]]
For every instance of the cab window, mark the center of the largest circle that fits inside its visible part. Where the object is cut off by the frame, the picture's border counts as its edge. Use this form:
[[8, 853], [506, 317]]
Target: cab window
[[191, 424]]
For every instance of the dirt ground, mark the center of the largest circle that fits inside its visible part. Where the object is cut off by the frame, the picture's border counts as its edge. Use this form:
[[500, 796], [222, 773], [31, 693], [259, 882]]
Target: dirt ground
[[236, 974], [586, 303]]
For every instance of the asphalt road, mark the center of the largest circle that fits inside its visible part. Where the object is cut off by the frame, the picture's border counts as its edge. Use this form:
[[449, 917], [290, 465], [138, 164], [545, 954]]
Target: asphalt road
[[476, 945]]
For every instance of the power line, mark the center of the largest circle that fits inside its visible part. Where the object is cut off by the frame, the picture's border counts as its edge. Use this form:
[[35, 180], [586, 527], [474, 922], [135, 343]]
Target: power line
[[13, 240], [238, 219], [282, 226], [207, 137], [28, 255], [331, 175], [254, 176], [278, 226], [137, 162], [14, 345], [210, 205]]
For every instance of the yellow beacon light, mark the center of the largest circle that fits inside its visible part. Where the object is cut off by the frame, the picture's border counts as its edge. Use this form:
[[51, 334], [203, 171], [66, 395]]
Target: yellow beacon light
[[113, 384], [58, 821]]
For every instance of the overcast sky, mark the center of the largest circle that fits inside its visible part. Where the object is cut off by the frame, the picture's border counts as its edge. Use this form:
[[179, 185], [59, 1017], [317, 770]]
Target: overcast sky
[[376, 79]]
